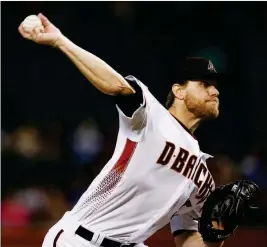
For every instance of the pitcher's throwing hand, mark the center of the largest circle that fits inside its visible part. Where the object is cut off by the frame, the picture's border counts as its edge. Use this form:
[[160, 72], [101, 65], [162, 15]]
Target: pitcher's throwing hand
[[40, 30]]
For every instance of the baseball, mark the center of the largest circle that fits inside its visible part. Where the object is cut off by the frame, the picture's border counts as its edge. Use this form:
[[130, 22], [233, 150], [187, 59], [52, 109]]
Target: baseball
[[32, 23]]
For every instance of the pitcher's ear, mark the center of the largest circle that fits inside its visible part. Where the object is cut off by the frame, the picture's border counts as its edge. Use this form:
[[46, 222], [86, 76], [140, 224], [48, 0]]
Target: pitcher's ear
[[178, 91]]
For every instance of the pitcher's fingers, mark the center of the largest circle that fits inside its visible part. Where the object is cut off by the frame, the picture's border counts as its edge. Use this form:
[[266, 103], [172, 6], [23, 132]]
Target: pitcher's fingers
[[20, 29], [38, 30], [44, 20], [23, 33]]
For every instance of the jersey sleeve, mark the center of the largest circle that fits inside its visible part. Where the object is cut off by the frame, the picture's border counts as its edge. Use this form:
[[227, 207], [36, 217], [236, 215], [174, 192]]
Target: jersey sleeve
[[181, 223], [130, 103], [134, 110]]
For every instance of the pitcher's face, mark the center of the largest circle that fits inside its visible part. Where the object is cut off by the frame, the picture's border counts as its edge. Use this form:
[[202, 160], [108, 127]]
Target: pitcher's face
[[201, 99]]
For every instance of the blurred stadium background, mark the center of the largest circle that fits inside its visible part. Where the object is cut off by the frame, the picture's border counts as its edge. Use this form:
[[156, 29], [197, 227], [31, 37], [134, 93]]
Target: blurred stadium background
[[58, 131]]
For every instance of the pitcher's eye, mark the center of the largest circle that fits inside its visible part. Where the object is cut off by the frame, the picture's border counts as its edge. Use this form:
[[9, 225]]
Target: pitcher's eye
[[204, 84]]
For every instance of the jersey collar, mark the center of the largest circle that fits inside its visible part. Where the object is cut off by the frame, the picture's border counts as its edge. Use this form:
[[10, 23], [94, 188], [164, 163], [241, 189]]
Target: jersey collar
[[185, 128], [203, 155]]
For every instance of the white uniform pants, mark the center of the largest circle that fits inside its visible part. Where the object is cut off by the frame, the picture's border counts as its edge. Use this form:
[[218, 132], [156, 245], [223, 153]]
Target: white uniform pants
[[62, 234]]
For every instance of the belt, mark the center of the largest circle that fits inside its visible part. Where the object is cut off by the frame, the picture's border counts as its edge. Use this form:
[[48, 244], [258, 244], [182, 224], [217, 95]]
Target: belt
[[88, 235]]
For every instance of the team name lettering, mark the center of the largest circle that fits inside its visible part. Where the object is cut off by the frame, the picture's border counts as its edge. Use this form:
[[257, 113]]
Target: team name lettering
[[166, 154], [179, 163], [185, 164]]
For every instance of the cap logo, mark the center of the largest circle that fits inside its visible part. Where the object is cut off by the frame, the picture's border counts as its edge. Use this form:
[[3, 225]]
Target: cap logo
[[211, 67]]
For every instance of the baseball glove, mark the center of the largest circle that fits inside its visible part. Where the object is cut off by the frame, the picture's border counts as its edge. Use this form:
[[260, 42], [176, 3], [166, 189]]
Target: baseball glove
[[227, 205]]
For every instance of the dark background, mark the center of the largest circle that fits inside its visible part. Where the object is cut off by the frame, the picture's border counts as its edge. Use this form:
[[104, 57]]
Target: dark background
[[58, 131]]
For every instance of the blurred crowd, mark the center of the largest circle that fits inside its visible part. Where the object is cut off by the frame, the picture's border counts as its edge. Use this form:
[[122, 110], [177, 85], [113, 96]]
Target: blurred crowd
[[40, 181], [46, 171]]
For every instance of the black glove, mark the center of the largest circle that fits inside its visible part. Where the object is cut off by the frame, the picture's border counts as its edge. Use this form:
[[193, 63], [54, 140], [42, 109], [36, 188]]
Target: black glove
[[227, 205]]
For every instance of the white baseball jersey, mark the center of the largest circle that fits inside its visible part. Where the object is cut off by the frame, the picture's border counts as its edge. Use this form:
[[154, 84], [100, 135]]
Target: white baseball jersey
[[157, 171]]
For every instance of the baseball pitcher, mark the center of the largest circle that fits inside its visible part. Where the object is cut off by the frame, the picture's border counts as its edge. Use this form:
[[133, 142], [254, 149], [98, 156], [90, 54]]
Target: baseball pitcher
[[157, 173]]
